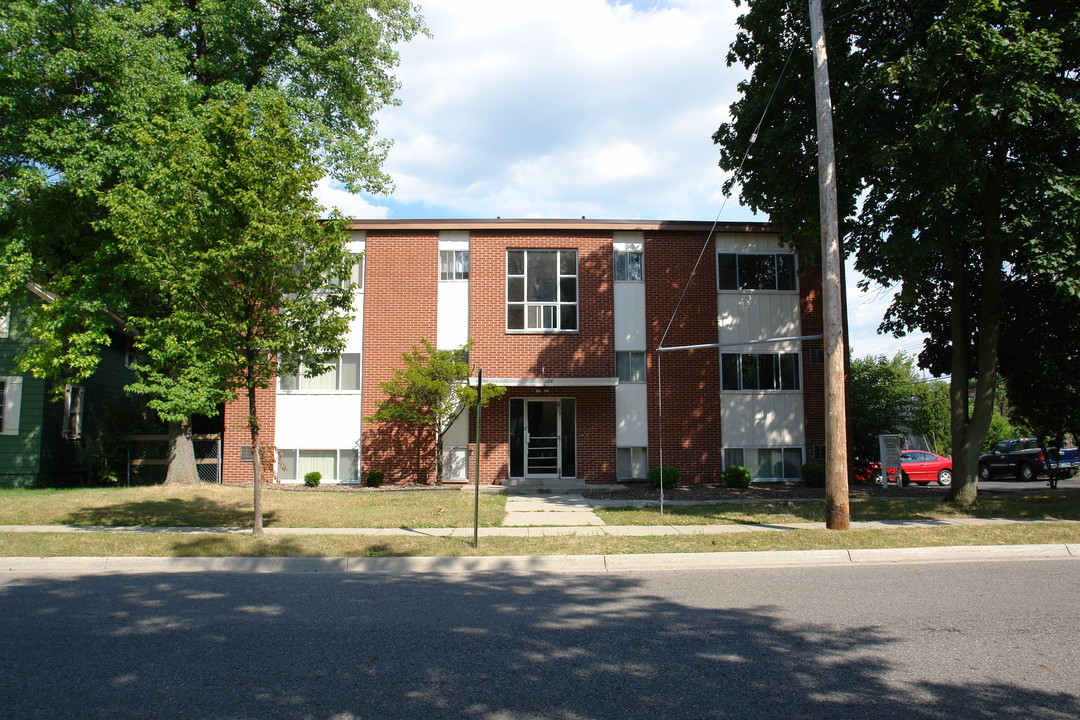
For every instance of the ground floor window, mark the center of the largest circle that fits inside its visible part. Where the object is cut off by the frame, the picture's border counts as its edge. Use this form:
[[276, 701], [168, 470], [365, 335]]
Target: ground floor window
[[632, 463], [341, 465], [767, 463]]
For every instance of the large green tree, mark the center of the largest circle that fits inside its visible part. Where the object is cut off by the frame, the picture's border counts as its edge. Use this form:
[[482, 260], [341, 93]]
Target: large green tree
[[958, 154], [225, 226], [87, 87]]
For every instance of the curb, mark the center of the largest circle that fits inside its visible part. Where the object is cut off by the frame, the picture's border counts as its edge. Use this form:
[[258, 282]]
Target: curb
[[574, 564]]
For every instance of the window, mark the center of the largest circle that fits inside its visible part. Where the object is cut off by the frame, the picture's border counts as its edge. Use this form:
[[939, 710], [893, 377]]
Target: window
[[453, 264], [541, 290], [342, 376], [767, 463], [629, 266], [73, 412], [746, 271], [630, 366], [632, 463], [341, 465], [357, 276], [10, 404], [764, 371], [5, 323]]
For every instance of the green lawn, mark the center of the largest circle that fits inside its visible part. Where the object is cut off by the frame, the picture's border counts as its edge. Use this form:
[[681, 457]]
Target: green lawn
[[223, 506], [130, 544], [1050, 506]]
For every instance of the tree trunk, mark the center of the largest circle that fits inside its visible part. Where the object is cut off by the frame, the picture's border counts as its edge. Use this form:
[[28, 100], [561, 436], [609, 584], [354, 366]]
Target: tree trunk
[[256, 464], [182, 469]]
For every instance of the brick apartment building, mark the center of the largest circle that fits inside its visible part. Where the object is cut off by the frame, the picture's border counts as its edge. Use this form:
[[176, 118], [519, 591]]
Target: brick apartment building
[[567, 315]]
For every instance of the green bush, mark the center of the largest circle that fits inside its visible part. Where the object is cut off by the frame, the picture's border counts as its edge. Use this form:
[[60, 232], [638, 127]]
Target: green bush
[[813, 474], [736, 476], [671, 477], [313, 478], [374, 478]]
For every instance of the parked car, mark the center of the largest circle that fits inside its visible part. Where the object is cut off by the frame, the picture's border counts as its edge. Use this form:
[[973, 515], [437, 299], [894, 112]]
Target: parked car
[[922, 468], [1023, 459]]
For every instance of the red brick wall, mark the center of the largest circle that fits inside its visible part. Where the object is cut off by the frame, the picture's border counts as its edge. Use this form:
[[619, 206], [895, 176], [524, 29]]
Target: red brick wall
[[586, 353], [692, 439], [400, 309], [237, 435]]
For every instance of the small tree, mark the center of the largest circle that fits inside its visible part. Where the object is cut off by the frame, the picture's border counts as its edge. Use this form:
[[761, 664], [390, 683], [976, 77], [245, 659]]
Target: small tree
[[431, 392]]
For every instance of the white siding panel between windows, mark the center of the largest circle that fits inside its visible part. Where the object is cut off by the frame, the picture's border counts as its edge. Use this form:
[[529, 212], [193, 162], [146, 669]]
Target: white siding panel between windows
[[743, 317], [773, 419], [453, 317], [629, 316], [631, 415], [318, 421], [458, 433], [354, 338], [750, 243]]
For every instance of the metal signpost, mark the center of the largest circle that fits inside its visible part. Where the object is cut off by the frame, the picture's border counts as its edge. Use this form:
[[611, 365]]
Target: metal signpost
[[889, 447]]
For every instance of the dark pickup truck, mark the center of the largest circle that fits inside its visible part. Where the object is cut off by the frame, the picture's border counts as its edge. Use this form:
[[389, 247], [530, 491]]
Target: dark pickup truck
[[1023, 459]]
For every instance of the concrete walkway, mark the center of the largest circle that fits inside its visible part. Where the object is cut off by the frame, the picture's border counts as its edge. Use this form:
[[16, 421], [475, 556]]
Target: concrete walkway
[[569, 510]]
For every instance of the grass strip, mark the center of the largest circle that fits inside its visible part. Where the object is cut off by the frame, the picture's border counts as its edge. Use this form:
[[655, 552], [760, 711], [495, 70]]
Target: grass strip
[[224, 506], [1049, 506], [129, 544]]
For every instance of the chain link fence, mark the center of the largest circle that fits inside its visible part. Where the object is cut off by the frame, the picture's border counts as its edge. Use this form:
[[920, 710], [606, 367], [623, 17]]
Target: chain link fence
[[148, 458]]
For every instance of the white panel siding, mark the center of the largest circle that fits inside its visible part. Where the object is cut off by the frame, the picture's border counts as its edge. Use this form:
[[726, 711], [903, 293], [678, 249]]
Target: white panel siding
[[632, 414], [750, 243], [630, 315], [452, 330], [313, 421], [742, 317], [452, 318], [762, 419]]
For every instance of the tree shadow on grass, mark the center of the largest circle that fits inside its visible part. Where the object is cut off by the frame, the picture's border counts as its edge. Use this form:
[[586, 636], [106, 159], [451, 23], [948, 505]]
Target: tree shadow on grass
[[194, 511], [486, 646]]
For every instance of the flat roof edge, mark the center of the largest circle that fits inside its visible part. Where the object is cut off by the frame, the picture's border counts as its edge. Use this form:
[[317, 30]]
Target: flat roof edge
[[549, 224]]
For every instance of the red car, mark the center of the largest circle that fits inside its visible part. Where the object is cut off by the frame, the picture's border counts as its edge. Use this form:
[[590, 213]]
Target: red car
[[922, 468]]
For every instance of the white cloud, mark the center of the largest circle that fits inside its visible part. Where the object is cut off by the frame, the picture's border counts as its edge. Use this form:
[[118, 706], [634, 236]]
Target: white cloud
[[332, 195], [570, 108]]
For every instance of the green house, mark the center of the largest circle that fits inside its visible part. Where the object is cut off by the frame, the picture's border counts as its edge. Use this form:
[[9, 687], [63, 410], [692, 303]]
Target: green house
[[57, 435]]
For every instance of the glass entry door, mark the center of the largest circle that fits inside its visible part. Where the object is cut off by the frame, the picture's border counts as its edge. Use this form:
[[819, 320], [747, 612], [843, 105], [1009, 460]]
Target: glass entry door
[[542, 438]]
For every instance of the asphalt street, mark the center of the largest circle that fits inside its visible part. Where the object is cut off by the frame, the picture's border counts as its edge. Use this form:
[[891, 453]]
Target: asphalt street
[[924, 641]]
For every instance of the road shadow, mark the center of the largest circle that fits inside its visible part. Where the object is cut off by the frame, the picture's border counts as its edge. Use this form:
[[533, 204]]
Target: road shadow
[[480, 646]]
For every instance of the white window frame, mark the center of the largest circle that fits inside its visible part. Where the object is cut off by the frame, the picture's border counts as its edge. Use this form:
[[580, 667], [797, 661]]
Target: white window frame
[[292, 474], [628, 458], [10, 404], [542, 316], [74, 402], [743, 256], [453, 265], [730, 452], [298, 379], [624, 268], [630, 366], [779, 375]]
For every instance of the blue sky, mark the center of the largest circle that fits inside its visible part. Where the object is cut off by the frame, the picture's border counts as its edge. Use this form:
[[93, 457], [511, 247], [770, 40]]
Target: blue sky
[[570, 108]]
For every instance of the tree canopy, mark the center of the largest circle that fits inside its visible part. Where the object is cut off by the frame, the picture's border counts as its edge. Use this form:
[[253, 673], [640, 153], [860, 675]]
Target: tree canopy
[[110, 107], [430, 392], [958, 155]]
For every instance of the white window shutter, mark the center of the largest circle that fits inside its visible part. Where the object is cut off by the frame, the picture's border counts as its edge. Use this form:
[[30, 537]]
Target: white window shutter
[[12, 405]]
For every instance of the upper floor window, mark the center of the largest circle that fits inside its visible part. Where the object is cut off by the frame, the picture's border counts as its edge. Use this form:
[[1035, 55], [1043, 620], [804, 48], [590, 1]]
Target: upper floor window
[[541, 290], [357, 275], [5, 323], [629, 266], [751, 271], [73, 412], [344, 374], [453, 264], [760, 371], [630, 366]]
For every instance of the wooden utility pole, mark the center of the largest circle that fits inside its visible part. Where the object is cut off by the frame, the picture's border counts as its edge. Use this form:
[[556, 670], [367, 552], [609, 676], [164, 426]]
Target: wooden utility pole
[[837, 510]]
